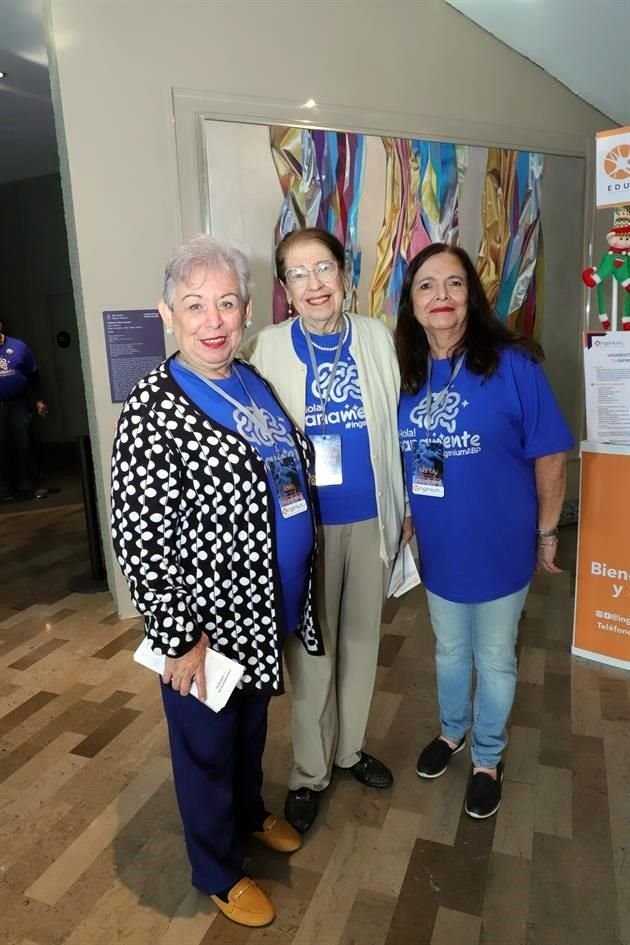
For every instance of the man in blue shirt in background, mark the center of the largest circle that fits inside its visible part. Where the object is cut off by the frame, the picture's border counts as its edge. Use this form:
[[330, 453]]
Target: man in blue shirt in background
[[19, 378]]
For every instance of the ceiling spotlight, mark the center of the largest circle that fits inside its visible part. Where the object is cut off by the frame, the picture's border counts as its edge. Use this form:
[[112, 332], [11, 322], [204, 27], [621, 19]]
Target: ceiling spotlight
[[310, 104], [3, 75]]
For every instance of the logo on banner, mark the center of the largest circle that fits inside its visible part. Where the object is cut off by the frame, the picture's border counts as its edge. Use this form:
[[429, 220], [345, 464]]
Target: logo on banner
[[617, 162], [612, 167]]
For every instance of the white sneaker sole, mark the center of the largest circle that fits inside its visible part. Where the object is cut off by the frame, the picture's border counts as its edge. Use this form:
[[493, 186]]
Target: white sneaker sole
[[482, 816]]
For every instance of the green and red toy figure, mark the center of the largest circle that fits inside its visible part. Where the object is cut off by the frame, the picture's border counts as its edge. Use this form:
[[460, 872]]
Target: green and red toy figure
[[614, 264]]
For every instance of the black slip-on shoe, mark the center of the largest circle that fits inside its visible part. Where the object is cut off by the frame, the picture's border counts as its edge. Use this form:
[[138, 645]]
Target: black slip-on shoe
[[483, 797], [434, 758]]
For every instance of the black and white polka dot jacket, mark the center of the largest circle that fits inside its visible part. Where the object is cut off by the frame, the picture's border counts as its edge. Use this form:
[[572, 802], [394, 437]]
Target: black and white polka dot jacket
[[193, 531]]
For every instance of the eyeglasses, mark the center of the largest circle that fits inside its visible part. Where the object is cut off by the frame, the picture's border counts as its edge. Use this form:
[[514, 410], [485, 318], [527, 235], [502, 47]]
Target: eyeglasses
[[325, 271]]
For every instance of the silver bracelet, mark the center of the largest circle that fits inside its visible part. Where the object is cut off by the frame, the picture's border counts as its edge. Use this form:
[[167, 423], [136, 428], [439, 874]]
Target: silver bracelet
[[547, 532]]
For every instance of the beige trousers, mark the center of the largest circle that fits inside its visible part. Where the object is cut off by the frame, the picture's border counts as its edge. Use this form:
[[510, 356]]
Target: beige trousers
[[332, 693]]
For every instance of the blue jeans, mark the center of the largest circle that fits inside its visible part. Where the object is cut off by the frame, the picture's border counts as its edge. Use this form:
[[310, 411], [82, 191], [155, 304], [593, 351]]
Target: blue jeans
[[483, 635]]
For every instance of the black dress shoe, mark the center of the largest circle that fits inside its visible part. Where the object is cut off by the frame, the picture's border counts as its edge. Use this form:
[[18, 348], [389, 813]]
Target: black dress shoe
[[483, 797], [371, 772], [300, 808]]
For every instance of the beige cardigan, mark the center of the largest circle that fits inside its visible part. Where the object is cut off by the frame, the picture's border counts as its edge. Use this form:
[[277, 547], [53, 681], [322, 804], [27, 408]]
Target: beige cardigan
[[372, 347]]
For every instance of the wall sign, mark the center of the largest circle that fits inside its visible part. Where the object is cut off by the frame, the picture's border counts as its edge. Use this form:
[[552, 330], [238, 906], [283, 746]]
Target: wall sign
[[607, 386], [134, 340]]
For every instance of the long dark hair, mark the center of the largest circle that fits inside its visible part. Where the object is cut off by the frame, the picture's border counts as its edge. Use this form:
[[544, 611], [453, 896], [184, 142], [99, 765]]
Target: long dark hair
[[483, 339]]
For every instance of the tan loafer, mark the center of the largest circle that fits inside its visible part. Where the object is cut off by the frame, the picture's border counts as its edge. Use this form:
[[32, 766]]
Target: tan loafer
[[247, 904], [279, 835]]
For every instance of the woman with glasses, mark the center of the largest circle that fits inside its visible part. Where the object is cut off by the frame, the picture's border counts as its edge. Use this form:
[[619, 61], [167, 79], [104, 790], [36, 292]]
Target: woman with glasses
[[336, 375]]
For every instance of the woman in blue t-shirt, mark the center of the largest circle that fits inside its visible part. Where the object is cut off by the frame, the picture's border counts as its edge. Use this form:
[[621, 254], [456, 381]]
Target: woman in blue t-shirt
[[484, 446]]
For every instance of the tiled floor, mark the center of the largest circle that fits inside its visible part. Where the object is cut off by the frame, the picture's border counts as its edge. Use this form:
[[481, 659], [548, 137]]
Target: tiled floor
[[91, 850]]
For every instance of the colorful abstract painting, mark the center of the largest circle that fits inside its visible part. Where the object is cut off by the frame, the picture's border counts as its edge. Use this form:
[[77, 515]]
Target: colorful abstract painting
[[511, 235], [321, 175], [421, 207]]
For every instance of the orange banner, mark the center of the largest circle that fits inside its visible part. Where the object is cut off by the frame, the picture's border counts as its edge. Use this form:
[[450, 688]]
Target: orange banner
[[602, 603]]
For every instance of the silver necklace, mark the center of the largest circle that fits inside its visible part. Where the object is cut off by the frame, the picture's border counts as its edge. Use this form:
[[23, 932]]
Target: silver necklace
[[323, 347]]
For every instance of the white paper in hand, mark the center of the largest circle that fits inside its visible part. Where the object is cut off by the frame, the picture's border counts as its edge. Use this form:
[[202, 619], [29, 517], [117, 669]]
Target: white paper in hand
[[404, 574], [222, 674]]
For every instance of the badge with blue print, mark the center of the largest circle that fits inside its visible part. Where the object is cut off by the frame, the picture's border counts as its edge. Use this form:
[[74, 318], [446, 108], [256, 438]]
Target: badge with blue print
[[427, 468], [283, 471], [328, 469]]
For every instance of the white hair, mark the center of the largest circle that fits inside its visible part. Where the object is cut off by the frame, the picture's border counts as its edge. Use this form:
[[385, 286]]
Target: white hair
[[205, 252]]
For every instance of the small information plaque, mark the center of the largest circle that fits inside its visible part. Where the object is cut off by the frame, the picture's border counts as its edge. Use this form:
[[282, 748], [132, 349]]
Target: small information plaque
[[134, 340]]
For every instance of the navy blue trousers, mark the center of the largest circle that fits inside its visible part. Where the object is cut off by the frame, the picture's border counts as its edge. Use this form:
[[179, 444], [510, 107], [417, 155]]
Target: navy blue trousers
[[217, 768]]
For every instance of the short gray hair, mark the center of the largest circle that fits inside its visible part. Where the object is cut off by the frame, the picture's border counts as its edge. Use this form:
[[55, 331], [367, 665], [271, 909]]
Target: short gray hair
[[206, 252]]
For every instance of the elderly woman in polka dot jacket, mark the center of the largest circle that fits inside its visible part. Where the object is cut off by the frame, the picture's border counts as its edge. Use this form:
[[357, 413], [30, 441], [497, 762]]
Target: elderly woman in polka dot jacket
[[213, 529]]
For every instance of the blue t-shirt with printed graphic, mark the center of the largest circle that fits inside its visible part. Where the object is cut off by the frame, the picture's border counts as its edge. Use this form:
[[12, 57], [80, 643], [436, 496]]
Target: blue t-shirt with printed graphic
[[17, 365], [354, 499], [294, 535], [478, 542]]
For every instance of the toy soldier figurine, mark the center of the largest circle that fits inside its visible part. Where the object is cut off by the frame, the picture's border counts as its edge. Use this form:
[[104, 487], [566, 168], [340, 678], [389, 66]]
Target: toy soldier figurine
[[614, 264]]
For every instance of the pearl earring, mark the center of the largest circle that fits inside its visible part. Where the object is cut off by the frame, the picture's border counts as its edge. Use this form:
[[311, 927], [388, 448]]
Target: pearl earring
[[290, 310], [248, 323], [169, 329]]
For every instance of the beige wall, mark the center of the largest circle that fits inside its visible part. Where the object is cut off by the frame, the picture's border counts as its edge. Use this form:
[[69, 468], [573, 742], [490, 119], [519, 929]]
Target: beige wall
[[405, 65]]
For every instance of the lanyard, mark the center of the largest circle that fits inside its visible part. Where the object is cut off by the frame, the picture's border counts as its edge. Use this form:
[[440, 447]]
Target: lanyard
[[253, 412], [439, 397], [324, 396]]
